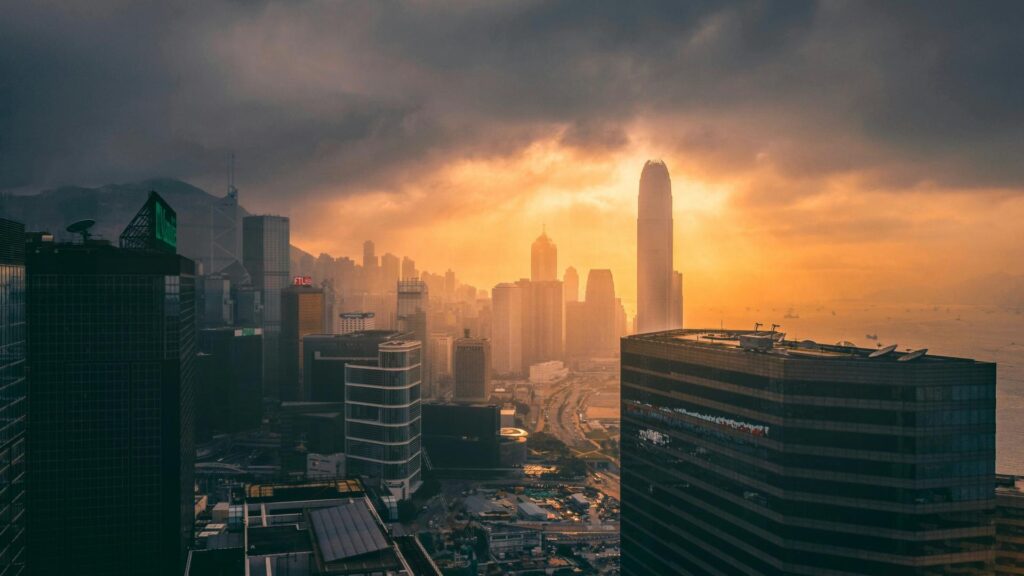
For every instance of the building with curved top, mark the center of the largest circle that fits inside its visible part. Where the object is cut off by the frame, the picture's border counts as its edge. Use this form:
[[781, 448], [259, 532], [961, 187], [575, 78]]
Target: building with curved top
[[655, 297]]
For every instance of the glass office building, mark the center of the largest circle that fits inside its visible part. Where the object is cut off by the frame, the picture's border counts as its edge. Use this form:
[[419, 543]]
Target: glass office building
[[265, 253], [743, 453], [13, 400], [382, 417], [110, 438]]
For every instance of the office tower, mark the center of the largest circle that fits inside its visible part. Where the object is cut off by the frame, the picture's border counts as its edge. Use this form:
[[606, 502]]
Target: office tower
[[542, 321], [302, 313], [745, 454], [110, 438], [390, 272], [654, 249], [230, 375], [440, 352], [356, 322], [571, 285], [13, 397], [620, 321], [382, 417], [412, 316], [409, 269], [543, 259], [472, 369], [265, 253], [601, 313], [507, 329], [326, 355], [677, 300], [461, 435]]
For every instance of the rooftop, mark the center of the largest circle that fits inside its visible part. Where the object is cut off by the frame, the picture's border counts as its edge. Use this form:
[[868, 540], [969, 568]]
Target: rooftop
[[775, 344]]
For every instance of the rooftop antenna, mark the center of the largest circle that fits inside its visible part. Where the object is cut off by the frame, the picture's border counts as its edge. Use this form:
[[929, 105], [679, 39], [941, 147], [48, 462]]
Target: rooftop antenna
[[757, 326], [774, 327], [232, 191]]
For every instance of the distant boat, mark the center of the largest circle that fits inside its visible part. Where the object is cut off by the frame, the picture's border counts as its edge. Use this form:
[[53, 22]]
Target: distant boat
[[871, 336]]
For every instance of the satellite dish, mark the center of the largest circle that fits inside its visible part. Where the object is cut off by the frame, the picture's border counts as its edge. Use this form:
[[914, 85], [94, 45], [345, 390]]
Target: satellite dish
[[883, 351], [82, 227], [913, 355], [808, 344]]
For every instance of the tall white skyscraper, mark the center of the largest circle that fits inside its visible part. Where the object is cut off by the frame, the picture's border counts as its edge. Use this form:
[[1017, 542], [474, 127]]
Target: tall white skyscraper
[[654, 306], [543, 259]]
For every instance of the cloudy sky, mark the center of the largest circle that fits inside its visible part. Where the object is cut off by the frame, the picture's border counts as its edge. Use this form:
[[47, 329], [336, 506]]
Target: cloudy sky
[[818, 150]]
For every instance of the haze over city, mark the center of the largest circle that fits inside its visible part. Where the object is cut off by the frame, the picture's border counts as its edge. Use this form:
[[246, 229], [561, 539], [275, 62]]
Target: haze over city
[[465, 288], [818, 151]]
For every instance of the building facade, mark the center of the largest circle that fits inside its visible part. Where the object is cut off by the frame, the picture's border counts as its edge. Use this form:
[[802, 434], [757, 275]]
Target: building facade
[[543, 259], [507, 328], [382, 417], [357, 322], [745, 454], [13, 397], [472, 369], [302, 313], [265, 255], [110, 439], [413, 316]]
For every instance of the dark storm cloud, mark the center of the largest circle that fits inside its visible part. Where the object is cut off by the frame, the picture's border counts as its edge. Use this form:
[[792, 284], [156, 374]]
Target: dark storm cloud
[[321, 95]]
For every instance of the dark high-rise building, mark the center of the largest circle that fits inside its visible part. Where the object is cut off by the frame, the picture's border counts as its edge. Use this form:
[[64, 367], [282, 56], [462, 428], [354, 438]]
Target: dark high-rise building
[[472, 359], [543, 259], [382, 417], [461, 435], [302, 313], [230, 377], [654, 250], [13, 397], [746, 454], [413, 317], [110, 438], [326, 355], [265, 255], [1009, 525]]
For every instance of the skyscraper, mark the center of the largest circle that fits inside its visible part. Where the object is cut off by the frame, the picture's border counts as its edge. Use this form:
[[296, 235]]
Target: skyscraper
[[382, 417], [409, 271], [571, 285], [654, 250], [542, 321], [13, 397], [601, 311], [543, 259], [265, 250], [230, 380], [110, 439], [390, 272], [302, 313], [413, 317], [744, 454], [472, 358], [507, 329]]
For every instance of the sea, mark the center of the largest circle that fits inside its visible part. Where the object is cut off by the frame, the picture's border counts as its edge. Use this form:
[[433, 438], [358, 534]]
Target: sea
[[987, 333]]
